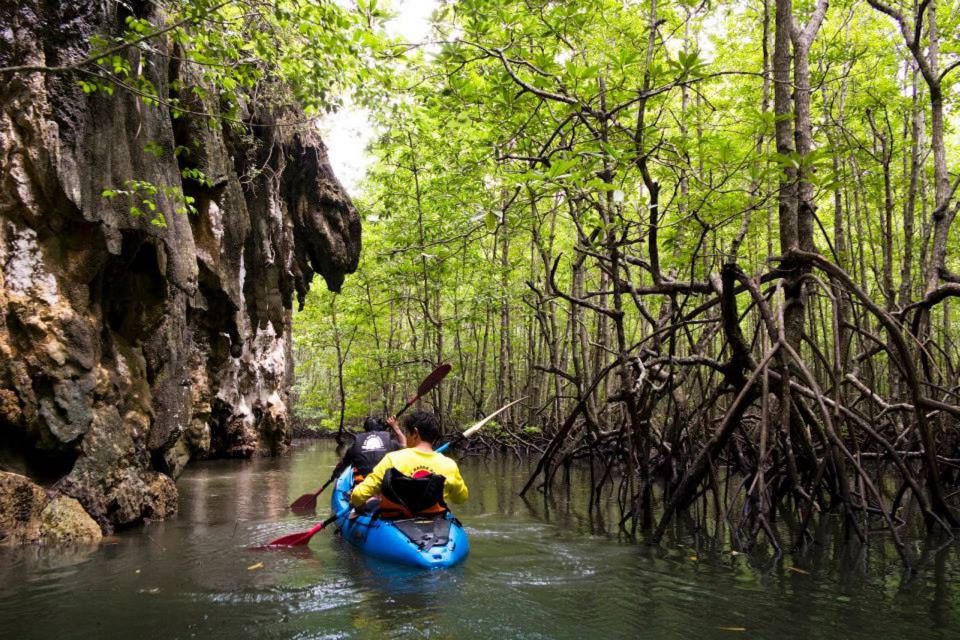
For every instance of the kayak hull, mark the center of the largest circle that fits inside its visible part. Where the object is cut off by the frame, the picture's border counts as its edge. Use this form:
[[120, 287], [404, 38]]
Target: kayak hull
[[386, 540]]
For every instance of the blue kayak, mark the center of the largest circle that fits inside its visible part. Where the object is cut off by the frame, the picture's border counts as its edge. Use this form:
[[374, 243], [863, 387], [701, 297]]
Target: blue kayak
[[421, 542]]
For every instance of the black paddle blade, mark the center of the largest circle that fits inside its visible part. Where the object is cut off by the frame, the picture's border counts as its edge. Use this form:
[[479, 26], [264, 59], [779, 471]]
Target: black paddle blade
[[434, 378], [307, 503], [428, 383]]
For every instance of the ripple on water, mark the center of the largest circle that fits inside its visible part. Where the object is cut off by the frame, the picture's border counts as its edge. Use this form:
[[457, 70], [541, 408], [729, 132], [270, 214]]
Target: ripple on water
[[527, 577], [313, 635], [294, 600]]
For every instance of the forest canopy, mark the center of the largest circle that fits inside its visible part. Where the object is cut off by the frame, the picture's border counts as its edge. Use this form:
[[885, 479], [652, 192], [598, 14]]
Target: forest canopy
[[690, 233]]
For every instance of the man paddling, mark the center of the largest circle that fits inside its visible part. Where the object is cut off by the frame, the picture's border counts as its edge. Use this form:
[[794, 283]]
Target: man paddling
[[370, 447], [416, 480]]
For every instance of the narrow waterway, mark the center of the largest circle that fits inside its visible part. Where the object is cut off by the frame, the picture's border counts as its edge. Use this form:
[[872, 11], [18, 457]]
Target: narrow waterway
[[536, 570]]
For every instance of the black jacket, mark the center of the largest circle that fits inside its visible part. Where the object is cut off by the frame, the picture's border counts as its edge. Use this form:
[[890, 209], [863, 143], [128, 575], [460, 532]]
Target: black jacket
[[368, 449]]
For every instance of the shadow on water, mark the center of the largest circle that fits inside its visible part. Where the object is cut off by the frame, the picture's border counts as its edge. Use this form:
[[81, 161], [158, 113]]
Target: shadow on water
[[544, 567]]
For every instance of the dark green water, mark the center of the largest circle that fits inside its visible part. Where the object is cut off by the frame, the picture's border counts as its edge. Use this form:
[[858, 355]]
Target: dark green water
[[535, 571]]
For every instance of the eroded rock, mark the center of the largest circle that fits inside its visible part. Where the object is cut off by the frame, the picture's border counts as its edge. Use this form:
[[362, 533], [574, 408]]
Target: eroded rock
[[21, 503], [64, 521], [126, 348], [161, 496]]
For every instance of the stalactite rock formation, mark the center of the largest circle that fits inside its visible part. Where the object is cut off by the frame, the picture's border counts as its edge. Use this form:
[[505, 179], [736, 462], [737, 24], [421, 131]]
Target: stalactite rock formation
[[127, 348]]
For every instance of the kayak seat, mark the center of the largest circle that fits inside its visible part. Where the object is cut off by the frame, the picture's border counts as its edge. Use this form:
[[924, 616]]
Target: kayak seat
[[405, 497], [425, 532]]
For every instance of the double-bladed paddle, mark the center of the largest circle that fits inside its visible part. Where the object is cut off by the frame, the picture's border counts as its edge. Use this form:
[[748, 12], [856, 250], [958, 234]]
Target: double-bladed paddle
[[308, 501], [303, 537]]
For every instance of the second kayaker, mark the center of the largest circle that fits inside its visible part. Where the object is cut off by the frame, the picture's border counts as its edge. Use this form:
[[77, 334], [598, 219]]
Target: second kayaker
[[418, 469], [369, 447]]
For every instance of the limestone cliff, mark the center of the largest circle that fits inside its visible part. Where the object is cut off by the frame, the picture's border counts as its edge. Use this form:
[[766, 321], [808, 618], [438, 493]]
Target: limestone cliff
[[127, 348]]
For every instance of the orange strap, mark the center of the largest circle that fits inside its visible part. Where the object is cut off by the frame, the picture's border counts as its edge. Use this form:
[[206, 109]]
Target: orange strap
[[390, 510]]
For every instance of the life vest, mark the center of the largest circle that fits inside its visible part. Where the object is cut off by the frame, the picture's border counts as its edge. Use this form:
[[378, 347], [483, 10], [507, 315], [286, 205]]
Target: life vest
[[368, 449], [406, 497]]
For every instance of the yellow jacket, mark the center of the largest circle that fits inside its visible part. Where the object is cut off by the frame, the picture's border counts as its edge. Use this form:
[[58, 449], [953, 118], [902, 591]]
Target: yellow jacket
[[408, 462]]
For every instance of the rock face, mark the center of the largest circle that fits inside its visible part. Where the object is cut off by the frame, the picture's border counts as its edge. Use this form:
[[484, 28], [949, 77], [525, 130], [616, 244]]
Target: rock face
[[64, 521], [28, 514], [128, 348], [21, 503]]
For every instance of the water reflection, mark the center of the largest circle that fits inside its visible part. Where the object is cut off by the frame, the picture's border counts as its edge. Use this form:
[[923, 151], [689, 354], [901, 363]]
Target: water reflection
[[541, 567]]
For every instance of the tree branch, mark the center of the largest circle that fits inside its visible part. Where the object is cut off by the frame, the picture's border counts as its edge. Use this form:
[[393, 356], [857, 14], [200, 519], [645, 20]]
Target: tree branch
[[120, 47]]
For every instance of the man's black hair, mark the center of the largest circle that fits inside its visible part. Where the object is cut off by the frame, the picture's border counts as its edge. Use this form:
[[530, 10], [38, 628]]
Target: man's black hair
[[426, 424], [373, 423]]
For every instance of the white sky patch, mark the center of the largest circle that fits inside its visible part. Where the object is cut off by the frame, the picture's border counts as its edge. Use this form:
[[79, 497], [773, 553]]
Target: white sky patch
[[349, 132], [412, 21]]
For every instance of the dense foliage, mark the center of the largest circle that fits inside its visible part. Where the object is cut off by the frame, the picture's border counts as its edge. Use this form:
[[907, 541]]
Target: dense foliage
[[688, 232], [292, 54]]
